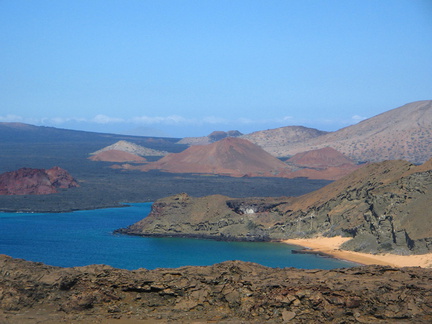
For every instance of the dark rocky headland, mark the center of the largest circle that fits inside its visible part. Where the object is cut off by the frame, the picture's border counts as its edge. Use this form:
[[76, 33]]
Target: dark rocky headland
[[384, 207]]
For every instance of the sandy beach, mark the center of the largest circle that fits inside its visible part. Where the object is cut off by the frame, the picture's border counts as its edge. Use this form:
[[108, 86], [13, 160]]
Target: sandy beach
[[331, 246]]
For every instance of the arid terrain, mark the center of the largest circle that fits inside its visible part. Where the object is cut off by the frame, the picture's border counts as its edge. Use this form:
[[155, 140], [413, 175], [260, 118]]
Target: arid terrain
[[375, 209]]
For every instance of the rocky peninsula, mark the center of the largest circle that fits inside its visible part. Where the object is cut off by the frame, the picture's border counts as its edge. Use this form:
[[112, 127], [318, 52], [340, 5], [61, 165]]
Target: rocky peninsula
[[384, 207]]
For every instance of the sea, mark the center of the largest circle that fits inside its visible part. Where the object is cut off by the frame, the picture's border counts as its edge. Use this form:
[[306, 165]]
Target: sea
[[86, 237]]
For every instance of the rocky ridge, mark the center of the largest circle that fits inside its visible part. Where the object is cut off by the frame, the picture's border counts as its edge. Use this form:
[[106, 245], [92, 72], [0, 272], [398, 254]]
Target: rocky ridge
[[228, 292], [383, 206], [27, 181]]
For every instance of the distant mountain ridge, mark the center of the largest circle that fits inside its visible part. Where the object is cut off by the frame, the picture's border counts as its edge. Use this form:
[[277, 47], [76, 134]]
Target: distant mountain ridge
[[401, 133], [212, 137], [12, 133]]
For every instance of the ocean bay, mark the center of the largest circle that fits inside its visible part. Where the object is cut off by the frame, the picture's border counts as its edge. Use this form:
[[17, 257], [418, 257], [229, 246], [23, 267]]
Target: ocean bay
[[86, 237]]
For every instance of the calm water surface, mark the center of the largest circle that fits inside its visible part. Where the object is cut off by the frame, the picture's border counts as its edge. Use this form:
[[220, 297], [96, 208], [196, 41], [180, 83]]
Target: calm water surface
[[85, 237]]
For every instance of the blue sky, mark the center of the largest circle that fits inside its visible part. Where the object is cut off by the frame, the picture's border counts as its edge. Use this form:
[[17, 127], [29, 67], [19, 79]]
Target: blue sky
[[186, 68]]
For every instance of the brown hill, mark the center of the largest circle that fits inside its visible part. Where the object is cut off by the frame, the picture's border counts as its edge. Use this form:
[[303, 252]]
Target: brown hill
[[321, 158], [384, 207], [28, 181], [229, 156], [401, 133], [117, 156]]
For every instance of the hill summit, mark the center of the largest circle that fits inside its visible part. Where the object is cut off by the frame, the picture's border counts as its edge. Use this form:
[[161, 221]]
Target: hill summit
[[212, 137], [132, 148]]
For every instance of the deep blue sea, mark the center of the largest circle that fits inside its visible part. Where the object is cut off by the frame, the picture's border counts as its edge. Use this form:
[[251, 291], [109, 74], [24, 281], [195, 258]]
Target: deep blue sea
[[86, 237]]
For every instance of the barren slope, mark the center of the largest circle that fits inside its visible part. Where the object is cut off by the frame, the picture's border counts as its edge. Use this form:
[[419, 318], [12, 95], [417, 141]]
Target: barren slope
[[116, 156], [321, 158], [272, 139]]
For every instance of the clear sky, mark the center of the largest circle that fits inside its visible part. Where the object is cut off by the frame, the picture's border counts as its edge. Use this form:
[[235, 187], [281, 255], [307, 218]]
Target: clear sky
[[186, 68]]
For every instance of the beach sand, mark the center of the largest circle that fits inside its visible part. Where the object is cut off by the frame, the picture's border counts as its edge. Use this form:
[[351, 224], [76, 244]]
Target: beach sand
[[331, 247]]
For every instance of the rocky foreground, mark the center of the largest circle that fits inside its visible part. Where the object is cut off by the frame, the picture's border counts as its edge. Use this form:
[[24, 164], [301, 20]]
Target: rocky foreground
[[229, 292]]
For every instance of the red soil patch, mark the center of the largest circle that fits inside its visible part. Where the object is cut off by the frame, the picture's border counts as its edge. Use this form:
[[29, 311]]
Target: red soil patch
[[27, 181]]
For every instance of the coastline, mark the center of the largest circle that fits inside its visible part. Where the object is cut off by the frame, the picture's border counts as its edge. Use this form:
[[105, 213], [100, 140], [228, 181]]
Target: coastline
[[331, 246]]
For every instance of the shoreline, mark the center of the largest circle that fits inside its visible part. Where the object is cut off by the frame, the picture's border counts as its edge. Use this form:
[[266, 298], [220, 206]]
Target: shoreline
[[330, 246]]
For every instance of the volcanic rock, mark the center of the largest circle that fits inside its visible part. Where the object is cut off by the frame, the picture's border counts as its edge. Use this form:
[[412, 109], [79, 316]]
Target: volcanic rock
[[27, 181], [117, 156], [384, 207], [229, 156], [228, 292]]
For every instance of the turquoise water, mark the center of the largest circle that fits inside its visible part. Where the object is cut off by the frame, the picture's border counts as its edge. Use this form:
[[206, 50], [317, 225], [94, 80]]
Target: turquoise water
[[85, 237]]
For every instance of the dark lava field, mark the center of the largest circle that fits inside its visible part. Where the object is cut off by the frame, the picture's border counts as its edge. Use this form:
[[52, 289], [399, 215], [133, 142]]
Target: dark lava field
[[102, 186]]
